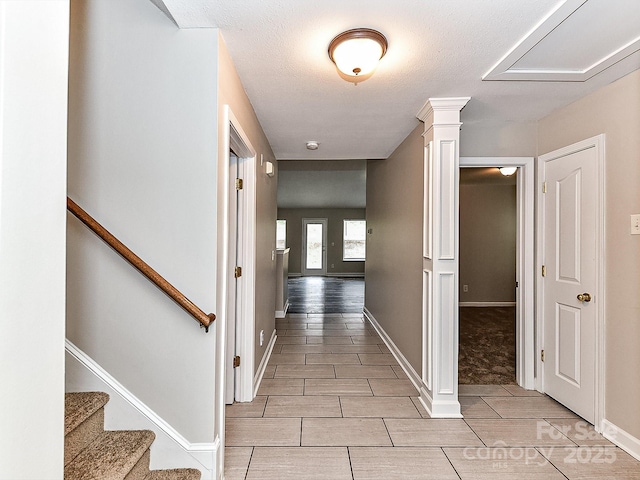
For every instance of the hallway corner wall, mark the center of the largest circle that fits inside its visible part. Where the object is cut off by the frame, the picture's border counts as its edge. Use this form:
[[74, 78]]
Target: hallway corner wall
[[393, 269], [615, 111]]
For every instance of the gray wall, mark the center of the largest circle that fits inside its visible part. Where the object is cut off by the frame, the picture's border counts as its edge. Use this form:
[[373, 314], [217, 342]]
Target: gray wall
[[615, 111], [393, 279], [335, 218], [488, 243], [142, 161], [231, 92]]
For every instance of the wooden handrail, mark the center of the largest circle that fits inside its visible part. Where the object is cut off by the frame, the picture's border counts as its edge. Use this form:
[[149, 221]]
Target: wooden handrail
[[205, 319]]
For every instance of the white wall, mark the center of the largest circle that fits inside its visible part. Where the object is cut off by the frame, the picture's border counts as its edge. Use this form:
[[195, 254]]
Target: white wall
[[33, 124], [142, 161]]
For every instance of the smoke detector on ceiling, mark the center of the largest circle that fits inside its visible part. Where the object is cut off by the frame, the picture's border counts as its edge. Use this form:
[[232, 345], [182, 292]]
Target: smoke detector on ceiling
[[312, 145]]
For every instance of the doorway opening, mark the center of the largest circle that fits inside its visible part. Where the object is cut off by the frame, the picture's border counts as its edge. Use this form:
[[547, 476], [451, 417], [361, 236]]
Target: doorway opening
[[487, 269], [522, 283]]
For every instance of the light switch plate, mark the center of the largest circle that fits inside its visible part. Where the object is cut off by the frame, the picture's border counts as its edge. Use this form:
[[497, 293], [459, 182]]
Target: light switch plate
[[635, 224]]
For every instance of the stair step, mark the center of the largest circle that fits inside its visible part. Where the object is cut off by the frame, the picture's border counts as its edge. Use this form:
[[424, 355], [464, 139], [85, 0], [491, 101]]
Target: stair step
[[114, 455], [83, 421], [177, 474]]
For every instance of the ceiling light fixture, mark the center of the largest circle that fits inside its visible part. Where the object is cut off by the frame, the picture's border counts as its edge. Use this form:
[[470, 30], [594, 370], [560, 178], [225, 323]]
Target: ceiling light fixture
[[507, 171], [312, 145], [356, 53]]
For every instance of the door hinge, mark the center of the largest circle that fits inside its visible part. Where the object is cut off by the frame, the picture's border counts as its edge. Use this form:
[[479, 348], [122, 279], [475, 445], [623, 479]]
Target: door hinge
[[517, 284], [236, 361], [544, 271], [544, 187], [542, 355], [238, 184], [237, 272]]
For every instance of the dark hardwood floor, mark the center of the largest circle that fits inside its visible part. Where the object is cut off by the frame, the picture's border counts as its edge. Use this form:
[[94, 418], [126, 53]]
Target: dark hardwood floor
[[326, 295]]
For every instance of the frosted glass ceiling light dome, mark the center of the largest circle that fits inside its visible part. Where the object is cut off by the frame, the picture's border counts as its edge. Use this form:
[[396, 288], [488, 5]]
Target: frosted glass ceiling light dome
[[508, 171], [357, 52]]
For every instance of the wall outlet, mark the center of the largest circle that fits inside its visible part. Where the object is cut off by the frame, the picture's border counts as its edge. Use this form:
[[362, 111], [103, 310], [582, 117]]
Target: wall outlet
[[333, 266], [465, 288], [635, 224], [261, 337]]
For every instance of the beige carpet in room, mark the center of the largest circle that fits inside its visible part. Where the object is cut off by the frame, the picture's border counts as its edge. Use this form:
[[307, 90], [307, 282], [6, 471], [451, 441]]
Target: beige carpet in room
[[487, 346]]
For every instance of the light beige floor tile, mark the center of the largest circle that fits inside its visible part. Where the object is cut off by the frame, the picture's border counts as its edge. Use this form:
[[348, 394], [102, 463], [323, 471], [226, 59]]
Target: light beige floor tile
[[296, 315], [281, 386], [579, 431], [287, 359], [328, 326], [360, 326], [364, 371], [377, 359], [287, 349], [353, 315], [305, 371], [483, 391], [247, 409], [399, 463], [318, 333], [329, 340], [423, 411], [528, 407], [392, 387], [344, 432], [337, 386], [399, 372], [282, 340], [355, 348], [249, 432], [518, 391], [324, 315], [593, 463], [303, 406], [475, 407], [277, 348], [333, 359], [431, 432], [290, 326], [384, 348], [236, 462], [269, 371], [382, 407], [300, 463], [327, 321], [521, 463], [517, 432], [366, 340]]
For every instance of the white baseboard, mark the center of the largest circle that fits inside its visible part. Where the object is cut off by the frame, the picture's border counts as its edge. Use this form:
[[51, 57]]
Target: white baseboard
[[125, 411], [622, 439], [263, 363], [487, 304], [414, 377], [283, 313]]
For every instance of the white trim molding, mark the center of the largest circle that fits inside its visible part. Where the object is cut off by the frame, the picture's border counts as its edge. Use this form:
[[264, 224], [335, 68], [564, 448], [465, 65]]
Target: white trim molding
[[263, 363], [126, 411], [487, 304], [621, 438]]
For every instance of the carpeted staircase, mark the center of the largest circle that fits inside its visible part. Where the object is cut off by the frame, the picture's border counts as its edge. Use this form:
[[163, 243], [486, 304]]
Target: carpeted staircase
[[91, 453]]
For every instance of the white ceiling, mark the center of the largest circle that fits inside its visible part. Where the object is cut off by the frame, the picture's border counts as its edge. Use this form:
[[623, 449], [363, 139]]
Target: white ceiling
[[436, 49]]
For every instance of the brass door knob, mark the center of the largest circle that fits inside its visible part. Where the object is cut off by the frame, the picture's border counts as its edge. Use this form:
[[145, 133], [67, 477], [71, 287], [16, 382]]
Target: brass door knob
[[584, 297]]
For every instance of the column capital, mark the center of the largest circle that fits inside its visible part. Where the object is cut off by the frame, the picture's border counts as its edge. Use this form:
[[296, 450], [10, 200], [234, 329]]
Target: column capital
[[430, 111]]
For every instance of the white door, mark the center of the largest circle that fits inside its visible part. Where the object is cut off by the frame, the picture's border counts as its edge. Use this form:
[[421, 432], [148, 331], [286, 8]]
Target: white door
[[314, 246], [235, 283], [570, 282]]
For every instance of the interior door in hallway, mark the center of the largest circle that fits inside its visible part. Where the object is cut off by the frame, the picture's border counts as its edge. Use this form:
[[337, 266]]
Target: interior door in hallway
[[569, 283], [235, 282], [314, 246]]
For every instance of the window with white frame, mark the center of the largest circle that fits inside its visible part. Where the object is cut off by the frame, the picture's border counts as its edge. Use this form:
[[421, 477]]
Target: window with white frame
[[281, 234], [354, 235]]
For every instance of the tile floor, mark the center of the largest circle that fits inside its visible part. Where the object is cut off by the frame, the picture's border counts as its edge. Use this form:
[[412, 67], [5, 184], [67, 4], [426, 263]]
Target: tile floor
[[335, 405]]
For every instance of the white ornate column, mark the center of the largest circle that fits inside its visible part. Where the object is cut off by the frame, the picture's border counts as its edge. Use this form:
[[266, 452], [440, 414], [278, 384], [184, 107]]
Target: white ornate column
[[441, 117]]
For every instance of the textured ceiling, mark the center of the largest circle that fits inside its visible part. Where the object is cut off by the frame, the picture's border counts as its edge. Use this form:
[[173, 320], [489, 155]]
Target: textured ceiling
[[436, 49]]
